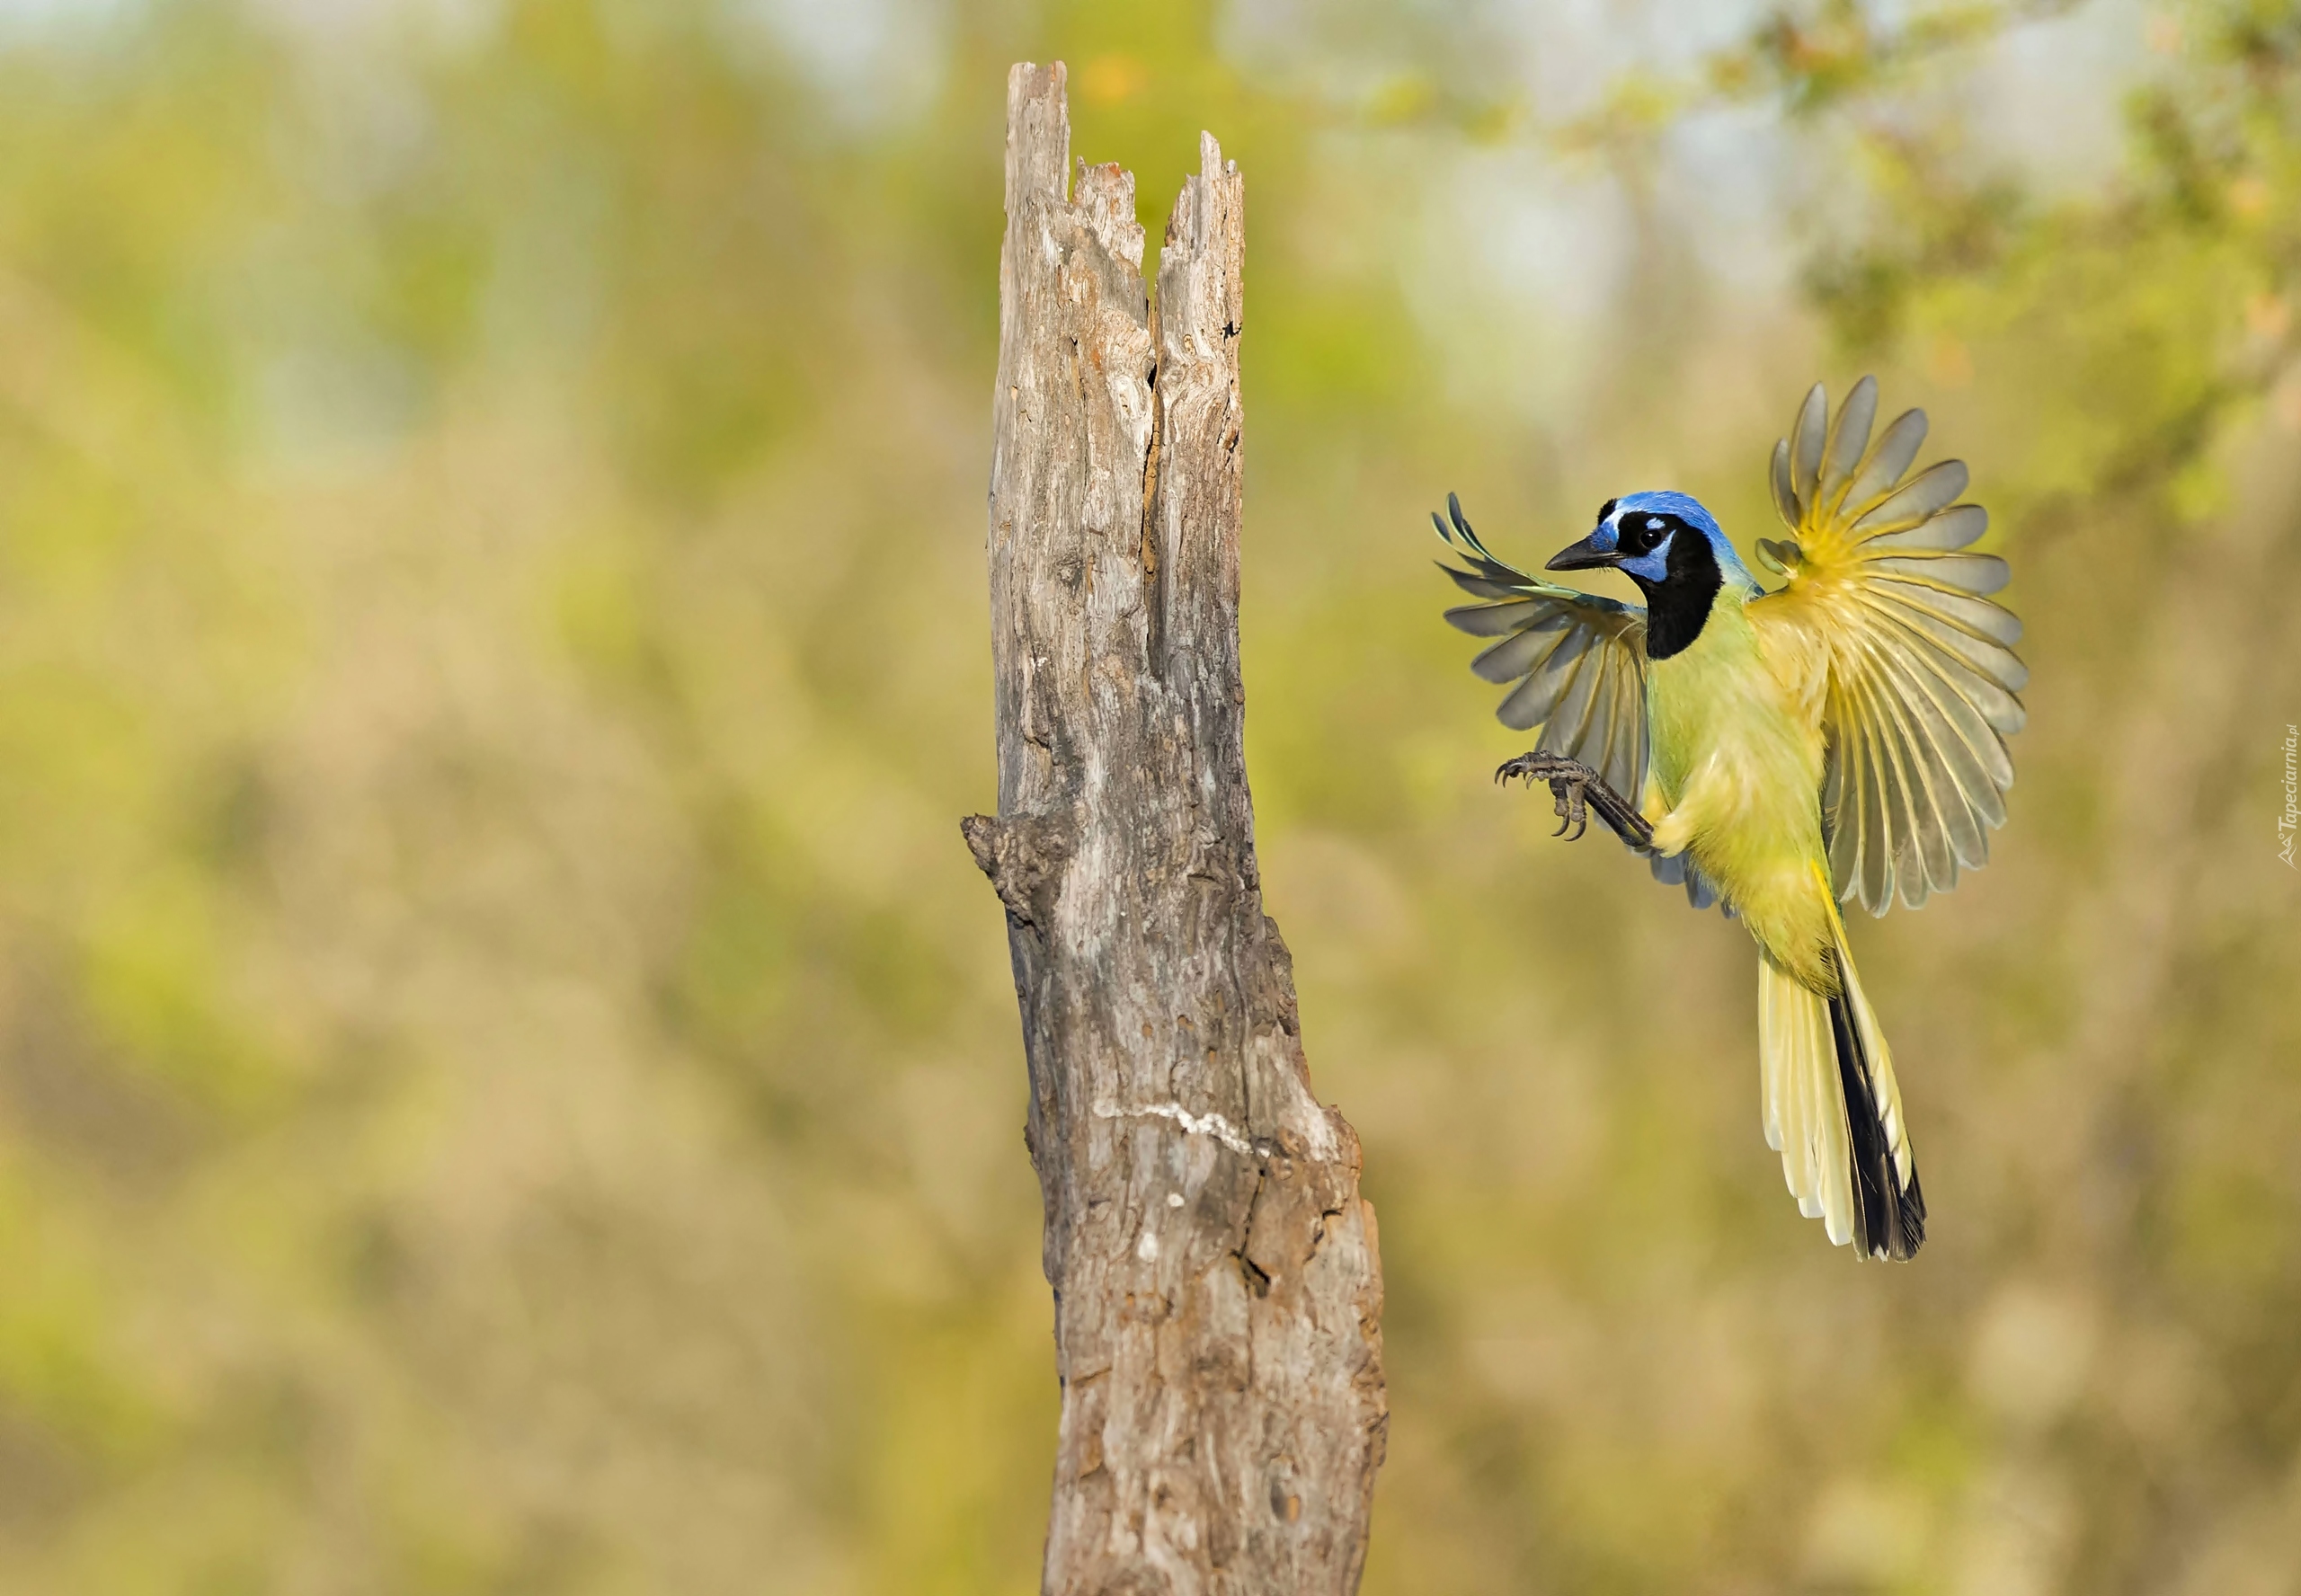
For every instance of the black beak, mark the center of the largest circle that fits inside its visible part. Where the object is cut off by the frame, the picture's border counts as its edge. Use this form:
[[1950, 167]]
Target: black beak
[[1581, 556]]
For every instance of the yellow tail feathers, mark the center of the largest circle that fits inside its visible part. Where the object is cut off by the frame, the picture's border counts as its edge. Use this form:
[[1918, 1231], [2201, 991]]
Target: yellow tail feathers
[[1834, 1111]]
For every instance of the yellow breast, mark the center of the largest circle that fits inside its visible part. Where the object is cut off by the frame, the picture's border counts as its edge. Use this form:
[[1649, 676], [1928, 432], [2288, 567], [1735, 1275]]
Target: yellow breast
[[1738, 759]]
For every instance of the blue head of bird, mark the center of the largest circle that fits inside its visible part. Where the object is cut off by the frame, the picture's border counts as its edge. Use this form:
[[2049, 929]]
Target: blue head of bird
[[1673, 550]]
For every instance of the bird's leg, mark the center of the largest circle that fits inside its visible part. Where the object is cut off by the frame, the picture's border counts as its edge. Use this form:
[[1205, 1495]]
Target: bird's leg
[[1575, 789]]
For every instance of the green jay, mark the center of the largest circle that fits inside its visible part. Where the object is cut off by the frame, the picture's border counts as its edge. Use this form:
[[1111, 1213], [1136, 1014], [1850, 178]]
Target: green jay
[[1841, 738]]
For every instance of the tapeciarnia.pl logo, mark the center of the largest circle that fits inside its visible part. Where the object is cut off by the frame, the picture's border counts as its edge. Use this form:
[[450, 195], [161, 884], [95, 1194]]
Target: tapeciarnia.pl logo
[[2286, 821]]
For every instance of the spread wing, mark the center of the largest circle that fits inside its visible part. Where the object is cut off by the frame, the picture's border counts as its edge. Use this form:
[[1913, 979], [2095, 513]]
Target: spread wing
[[1577, 662], [1919, 696]]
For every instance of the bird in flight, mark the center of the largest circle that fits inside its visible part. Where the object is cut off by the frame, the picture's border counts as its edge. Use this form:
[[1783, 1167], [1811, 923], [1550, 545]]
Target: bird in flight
[[1840, 738]]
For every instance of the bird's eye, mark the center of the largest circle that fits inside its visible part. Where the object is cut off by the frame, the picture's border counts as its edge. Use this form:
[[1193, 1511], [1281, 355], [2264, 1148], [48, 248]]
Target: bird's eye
[[1644, 535]]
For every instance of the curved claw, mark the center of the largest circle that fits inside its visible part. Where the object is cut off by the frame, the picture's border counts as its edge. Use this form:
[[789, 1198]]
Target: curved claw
[[1566, 794], [1576, 789], [1572, 806]]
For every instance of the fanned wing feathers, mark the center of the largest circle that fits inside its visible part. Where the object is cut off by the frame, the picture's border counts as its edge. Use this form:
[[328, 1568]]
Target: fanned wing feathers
[[1922, 679], [1578, 660]]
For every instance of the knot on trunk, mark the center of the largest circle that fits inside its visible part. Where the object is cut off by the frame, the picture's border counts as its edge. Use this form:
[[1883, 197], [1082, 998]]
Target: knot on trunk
[[1022, 855]]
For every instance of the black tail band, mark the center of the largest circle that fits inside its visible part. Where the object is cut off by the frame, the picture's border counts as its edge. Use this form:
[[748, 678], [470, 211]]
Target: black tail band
[[1889, 1218]]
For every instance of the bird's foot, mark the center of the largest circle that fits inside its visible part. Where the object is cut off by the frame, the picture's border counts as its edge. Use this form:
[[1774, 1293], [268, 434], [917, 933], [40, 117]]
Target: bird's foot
[[1576, 790]]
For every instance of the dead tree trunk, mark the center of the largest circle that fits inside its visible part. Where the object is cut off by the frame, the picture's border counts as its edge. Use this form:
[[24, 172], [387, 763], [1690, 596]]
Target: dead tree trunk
[[1217, 1290]]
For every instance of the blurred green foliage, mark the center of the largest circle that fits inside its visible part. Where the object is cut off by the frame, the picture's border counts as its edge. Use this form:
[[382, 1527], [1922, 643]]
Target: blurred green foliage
[[508, 1077]]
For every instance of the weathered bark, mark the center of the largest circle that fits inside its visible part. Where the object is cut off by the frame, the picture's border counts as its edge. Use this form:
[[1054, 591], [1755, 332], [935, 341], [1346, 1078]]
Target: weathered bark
[[1217, 1289]]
